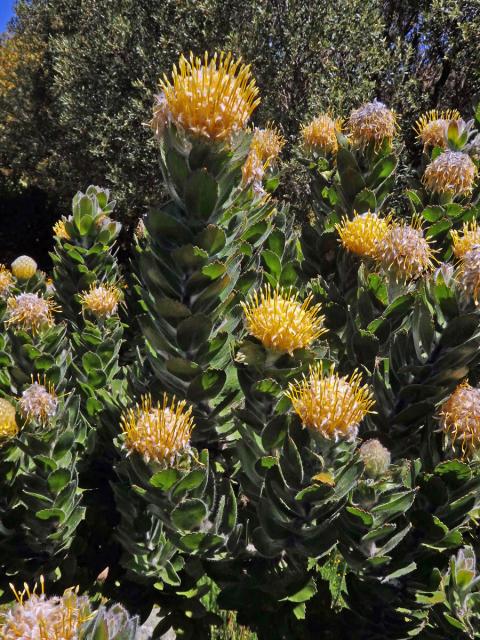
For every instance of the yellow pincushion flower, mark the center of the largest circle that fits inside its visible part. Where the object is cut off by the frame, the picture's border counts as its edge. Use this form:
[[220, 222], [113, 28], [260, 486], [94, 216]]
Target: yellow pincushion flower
[[363, 233], [405, 251], [460, 417], [281, 322], [31, 312], [468, 274], [452, 172], [331, 404], [211, 97], [24, 267], [159, 433], [432, 127], [37, 617], [267, 143], [469, 239], [6, 280], [60, 230], [101, 300], [372, 123], [8, 421], [320, 134]]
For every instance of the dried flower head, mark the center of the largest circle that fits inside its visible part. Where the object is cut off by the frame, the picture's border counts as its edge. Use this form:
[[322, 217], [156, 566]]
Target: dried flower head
[[159, 433], [468, 274], [253, 170], [321, 134], [267, 143], [8, 421], [460, 417], [30, 311], [211, 97], [333, 405], [431, 128], [161, 115], [373, 123], [101, 300], [280, 321], [466, 240], [24, 267], [452, 172], [363, 233], [38, 401], [405, 251], [6, 280], [60, 230], [37, 617], [140, 230], [375, 457]]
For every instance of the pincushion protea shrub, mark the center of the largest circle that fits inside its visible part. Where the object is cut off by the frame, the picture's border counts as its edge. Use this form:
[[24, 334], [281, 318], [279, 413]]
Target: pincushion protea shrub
[[286, 426]]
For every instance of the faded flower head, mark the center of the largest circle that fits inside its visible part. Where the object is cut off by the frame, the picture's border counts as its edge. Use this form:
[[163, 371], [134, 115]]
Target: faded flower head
[[468, 273], [8, 421], [161, 115], [363, 233], [331, 404], [372, 123], [267, 143], [31, 312], [452, 172], [280, 321], [159, 433], [375, 457], [253, 170], [38, 402], [24, 267], [6, 280], [211, 97], [466, 240], [101, 300], [140, 229], [37, 617], [405, 251], [460, 417], [432, 127], [320, 134]]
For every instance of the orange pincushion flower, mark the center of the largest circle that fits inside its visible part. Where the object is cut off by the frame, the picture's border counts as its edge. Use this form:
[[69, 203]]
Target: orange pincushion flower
[[6, 280], [432, 127], [31, 312], [469, 239], [451, 172], [211, 97], [363, 233], [8, 421], [320, 134], [267, 143], [460, 417], [372, 123]]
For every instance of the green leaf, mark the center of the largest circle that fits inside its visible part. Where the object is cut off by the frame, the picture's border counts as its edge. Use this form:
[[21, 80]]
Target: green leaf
[[47, 514], [189, 514], [433, 213], [201, 194], [178, 169], [304, 594], [164, 479], [189, 482], [207, 385], [365, 201], [272, 262], [193, 332], [58, 479], [438, 228]]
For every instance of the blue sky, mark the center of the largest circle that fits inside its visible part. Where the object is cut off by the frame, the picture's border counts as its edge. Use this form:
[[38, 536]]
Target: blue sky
[[6, 12]]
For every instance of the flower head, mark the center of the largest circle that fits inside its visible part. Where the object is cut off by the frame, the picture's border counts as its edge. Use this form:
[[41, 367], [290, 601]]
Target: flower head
[[460, 417], [37, 617], [24, 267], [281, 322], [468, 273], [6, 280], [267, 143], [375, 457], [452, 172], [30, 311], [363, 233], [60, 230], [405, 251], [213, 97], [38, 402], [320, 134], [253, 170], [140, 231], [159, 433], [469, 239], [101, 300], [333, 405], [372, 123], [8, 421], [432, 127]]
